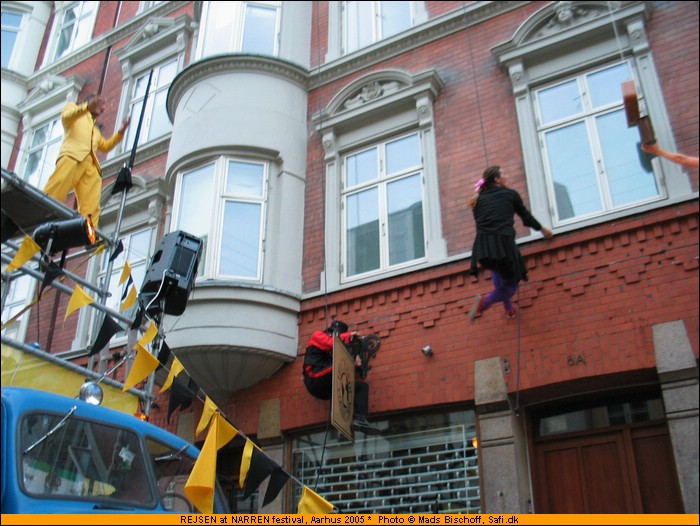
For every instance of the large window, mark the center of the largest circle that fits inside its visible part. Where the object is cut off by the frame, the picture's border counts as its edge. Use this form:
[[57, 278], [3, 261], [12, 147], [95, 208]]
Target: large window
[[155, 121], [419, 464], [75, 23], [239, 27], [592, 156], [383, 206], [11, 23], [223, 204], [583, 163], [368, 22], [43, 152]]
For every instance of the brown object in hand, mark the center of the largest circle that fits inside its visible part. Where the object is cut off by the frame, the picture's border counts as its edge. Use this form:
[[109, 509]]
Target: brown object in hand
[[629, 97], [646, 130]]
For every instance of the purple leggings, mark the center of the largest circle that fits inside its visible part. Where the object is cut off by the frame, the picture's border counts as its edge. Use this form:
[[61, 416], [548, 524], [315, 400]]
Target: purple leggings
[[503, 290]]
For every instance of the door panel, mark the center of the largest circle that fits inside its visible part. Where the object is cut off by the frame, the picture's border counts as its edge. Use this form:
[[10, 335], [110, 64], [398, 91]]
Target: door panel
[[658, 485], [629, 470]]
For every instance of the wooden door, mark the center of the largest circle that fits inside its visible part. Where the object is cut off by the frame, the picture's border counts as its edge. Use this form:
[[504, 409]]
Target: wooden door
[[628, 470]]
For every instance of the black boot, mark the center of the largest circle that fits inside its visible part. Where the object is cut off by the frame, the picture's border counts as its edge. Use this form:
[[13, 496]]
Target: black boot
[[360, 422]]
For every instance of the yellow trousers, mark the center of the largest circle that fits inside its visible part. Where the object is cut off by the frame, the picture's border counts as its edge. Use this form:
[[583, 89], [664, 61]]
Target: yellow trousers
[[84, 178]]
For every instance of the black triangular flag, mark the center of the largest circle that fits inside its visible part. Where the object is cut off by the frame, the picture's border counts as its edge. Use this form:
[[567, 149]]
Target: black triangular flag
[[109, 328], [181, 395], [138, 318], [261, 467], [118, 250], [124, 180], [52, 272], [277, 481], [126, 288], [163, 354]]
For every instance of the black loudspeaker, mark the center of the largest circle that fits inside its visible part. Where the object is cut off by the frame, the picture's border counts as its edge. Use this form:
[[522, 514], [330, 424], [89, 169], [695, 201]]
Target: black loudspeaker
[[170, 278]]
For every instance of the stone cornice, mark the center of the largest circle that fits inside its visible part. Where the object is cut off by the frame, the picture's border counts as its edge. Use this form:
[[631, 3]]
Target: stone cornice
[[435, 29]]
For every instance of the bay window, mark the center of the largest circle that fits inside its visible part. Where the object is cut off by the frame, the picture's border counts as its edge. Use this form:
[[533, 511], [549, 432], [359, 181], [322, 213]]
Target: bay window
[[223, 203]]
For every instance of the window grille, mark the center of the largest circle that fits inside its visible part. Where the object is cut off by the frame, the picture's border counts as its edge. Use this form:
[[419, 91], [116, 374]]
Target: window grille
[[431, 470]]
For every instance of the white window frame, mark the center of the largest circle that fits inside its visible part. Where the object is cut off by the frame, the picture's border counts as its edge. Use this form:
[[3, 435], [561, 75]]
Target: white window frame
[[49, 152], [560, 41], [377, 28], [350, 123], [588, 117], [236, 17], [11, 29], [42, 107], [86, 22], [213, 237], [136, 101], [146, 5], [381, 184], [159, 42]]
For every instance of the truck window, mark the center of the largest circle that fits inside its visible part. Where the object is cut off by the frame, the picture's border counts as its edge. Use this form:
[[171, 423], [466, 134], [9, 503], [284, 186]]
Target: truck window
[[78, 459], [172, 469]]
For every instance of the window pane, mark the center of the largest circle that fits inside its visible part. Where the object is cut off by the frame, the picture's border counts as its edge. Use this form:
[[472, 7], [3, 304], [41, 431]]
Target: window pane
[[85, 461], [573, 171], [402, 154], [196, 196], [396, 16], [166, 74], [559, 102], [139, 245], [359, 25], [218, 28], [10, 27], [362, 232], [260, 28], [160, 124], [65, 36], [240, 246], [361, 167], [41, 160], [629, 180], [405, 203], [245, 179], [135, 115], [606, 86]]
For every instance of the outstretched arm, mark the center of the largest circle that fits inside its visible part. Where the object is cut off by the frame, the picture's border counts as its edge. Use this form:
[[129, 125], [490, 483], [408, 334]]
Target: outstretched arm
[[678, 158]]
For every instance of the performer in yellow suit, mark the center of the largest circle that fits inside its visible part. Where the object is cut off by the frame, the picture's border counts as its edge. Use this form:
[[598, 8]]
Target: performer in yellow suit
[[77, 166]]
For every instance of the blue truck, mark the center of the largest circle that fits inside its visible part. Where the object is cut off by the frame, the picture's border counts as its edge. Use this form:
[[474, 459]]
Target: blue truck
[[65, 455]]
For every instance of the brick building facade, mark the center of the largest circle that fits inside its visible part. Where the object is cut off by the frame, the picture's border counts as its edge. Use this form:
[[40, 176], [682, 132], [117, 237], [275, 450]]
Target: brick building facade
[[505, 415]]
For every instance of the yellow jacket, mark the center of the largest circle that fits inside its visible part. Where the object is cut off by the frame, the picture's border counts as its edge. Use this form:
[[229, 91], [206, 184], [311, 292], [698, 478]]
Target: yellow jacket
[[81, 137]]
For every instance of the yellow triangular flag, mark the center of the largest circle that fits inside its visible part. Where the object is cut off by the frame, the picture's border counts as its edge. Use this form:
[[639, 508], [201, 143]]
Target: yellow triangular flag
[[24, 253], [144, 364], [175, 369], [129, 300], [126, 272], [311, 502], [208, 411], [78, 299], [148, 336], [225, 432], [245, 462], [199, 487]]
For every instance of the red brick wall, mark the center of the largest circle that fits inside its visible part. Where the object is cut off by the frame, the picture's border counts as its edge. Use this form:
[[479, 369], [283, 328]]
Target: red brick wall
[[587, 312]]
